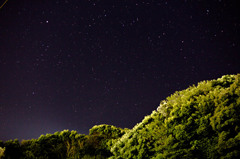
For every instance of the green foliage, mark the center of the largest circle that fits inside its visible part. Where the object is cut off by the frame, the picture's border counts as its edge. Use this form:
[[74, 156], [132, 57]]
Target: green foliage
[[12, 149], [64, 144], [2, 150], [46, 146], [199, 122]]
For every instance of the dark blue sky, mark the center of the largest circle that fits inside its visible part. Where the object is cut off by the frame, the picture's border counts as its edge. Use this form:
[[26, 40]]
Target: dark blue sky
[[73, 64]]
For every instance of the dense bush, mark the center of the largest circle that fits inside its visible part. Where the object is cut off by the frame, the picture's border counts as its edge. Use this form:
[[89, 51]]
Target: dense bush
[[199, 122], [64, 145]]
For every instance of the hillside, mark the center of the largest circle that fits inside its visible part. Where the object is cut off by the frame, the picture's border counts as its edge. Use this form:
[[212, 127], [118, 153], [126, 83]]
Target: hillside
[[199, 122]]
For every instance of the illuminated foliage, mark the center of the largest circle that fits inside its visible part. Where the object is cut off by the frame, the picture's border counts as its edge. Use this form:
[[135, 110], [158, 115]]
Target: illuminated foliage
[[199, 122]]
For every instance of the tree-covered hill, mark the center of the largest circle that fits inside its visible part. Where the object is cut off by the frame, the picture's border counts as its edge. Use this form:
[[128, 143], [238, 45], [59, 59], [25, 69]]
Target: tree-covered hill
[[202, 121]]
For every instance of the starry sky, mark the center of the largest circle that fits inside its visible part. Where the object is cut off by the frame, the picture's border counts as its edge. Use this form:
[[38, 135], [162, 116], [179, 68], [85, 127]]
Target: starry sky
[[67, 64]]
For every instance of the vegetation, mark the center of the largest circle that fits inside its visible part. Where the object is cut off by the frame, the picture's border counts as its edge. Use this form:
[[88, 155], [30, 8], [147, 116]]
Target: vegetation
[[64, 144], [199, 122]]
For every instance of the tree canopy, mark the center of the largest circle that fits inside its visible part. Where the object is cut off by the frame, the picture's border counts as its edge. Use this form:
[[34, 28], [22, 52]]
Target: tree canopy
[[199, 122]]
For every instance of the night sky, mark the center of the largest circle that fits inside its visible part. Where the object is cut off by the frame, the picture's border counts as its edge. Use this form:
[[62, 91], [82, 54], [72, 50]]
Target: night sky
[[74, 64]]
